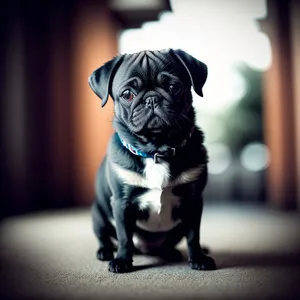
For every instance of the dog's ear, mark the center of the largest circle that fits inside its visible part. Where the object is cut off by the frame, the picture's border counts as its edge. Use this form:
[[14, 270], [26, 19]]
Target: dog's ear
[[196, 69], [101, 79]]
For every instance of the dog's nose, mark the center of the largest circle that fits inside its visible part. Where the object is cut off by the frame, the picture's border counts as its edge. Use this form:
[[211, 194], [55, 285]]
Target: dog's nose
[[152, 102]]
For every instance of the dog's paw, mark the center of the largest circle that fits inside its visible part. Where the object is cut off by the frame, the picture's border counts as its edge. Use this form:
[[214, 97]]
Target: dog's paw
[[119, 265], [204, 263], [105, 254]]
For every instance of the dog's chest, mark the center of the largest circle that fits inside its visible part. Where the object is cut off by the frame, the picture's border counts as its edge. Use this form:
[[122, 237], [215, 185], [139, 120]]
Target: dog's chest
[[159, 200], [157, 175]]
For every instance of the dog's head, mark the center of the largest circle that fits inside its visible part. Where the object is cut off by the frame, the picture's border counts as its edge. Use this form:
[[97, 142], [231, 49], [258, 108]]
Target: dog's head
[[151, 89]]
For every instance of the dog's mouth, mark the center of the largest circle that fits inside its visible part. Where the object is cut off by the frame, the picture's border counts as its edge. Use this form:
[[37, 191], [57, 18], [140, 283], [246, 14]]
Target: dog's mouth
[[156, 123], [152, 121]]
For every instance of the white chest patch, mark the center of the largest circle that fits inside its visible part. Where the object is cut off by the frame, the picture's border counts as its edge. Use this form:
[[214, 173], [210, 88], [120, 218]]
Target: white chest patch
[[160, 204], [157, 175], [159, 200]]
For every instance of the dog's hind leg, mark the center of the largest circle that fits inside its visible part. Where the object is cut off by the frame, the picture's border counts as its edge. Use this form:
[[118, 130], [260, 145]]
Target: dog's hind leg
[[104, 231]]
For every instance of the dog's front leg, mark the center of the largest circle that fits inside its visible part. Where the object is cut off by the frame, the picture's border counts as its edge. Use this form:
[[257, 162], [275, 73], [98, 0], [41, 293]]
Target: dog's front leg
[[125, 222], [197, 259]]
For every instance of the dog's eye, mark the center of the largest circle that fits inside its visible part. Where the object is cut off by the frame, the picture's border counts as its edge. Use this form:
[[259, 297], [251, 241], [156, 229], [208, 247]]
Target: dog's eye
[[174, 88], [128, 95]]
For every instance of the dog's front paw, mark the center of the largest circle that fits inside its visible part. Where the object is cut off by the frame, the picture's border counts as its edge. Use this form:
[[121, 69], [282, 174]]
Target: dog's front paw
[[119, 265], [105, 254], [202, 263]]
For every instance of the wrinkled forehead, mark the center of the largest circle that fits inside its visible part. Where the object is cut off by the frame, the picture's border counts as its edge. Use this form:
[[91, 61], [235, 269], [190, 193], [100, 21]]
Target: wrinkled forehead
[[148, 65]]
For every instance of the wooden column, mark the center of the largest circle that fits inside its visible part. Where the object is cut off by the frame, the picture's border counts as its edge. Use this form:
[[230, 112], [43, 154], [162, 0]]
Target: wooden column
[[279, 107], [295, 55], [95, 42]]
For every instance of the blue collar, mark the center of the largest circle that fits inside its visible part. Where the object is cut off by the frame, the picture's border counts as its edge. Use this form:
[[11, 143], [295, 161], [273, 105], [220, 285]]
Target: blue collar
[[134, 150], [171, 152]]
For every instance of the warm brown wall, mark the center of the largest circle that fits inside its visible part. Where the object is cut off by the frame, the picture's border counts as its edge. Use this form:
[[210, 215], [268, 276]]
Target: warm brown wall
[[281, 102], [93, 42], [53, 130], [92, 124], [295, 52]]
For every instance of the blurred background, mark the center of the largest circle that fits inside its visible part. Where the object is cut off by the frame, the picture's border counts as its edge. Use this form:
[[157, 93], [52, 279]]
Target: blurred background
[[54, 133]]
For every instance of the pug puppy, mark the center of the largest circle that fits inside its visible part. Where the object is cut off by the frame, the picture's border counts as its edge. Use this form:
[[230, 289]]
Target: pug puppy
[[149, 186]]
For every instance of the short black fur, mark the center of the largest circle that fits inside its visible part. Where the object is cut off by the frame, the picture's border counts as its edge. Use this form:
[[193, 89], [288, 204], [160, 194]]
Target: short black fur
[[154, 114]]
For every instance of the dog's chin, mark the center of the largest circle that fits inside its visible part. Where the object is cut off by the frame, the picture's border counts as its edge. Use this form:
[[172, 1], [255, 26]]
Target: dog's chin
[[151, 132], [154, 124]]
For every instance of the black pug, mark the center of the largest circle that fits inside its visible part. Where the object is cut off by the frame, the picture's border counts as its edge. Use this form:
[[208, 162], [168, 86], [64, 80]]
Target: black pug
[[149, 186]]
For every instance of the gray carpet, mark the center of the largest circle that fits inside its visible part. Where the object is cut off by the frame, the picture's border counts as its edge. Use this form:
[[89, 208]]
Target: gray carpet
[[51, 255]]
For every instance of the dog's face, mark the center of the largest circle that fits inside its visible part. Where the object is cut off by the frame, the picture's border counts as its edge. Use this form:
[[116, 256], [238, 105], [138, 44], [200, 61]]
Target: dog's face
[[151, 89]]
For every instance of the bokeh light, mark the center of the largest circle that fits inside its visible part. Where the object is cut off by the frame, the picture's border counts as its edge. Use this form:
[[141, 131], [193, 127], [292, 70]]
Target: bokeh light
[[219, 158], [255, 157]]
